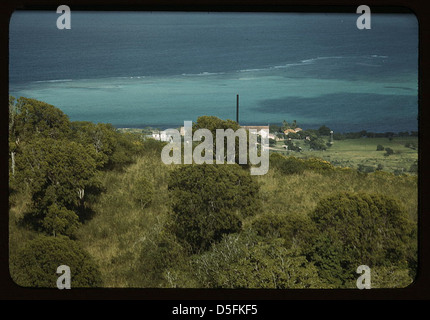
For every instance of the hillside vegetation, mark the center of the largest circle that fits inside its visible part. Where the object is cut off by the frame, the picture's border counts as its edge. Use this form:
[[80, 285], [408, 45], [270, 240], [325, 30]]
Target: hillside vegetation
[[137, 222]]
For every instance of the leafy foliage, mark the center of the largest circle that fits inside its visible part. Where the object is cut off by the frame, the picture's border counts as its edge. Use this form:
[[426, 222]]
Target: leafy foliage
[[59, 220], [143, 191], [278, 268], [355, 229], [317, 144], [213, 123], [318, 165], [30, 118], [58, 172], [324, 131], [36, 264], [390, 277], [248, 262], [197, 225], [112, 148], [291, 227], [293, 165], [287, 165], [210, 200], [388, 152]]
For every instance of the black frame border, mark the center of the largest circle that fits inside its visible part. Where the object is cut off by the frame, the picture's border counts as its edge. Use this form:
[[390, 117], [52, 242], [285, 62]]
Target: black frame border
[[419, 290]]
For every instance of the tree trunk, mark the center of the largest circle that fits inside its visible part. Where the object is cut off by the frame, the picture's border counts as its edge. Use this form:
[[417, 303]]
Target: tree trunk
[[12, 157]]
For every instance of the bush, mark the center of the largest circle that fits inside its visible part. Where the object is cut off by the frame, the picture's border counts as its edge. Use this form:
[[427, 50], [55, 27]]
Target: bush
[[210, 200], [412, 145], [35, 265], [291, 146], [208, 268], [244, 261], [60, 221], [318, 165], [276, 160], [390, 277], [414, 167], [324, 131], [365, 168], [142, 191], [153, 146], [356, 229], [293, 228], [278, 268], [160, 251], [388, 152], [380, 147], [292, 165], [317, 144], [60, 172], [272, 142]]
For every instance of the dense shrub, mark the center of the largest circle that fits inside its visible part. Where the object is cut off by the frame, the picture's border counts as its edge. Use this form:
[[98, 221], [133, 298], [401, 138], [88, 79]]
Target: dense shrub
[[365, 168], [212, 124], [210, 200], [113, 149], [318, 165], [293, 165], [324, 131], [388, 152], [265, 264], [276, 160], [153, 146], [286, 165], [35, 265], [317, 144], [60, 221], [414, 167], [356, 229], [390, 277], [293, 228], [59, 172], [158, 253], [142, 191], [272, 142]]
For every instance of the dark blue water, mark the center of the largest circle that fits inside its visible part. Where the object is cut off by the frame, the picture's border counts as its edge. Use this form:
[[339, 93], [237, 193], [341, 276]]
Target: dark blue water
[[137, 69]]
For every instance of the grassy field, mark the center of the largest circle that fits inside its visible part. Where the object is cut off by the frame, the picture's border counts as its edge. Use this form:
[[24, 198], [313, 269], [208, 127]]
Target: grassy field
[[354, 152]]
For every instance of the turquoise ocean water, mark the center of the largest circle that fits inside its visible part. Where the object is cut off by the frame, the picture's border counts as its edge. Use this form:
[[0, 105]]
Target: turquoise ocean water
[[137, 69]]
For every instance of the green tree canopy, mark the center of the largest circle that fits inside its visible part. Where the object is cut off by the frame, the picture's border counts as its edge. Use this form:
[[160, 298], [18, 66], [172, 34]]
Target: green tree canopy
[[388, 152], [58, 172], [142, 191], [210, 200], [30, 118], [358, 229], [112, 148], [292, 227], [213, 123], [246, 261], [35, 264], [271, 266], [324, 130], [59, 220]]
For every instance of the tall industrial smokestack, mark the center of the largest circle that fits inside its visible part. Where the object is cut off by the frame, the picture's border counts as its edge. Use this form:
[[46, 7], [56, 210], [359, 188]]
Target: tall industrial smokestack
[[237, 108]]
